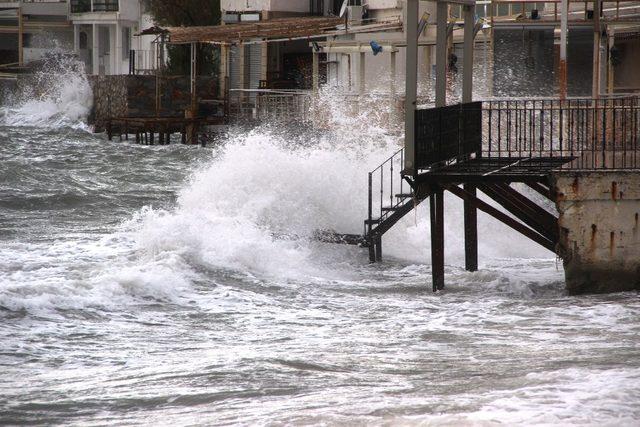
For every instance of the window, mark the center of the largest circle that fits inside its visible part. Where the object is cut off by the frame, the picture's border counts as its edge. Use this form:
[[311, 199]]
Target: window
[[126, 42]]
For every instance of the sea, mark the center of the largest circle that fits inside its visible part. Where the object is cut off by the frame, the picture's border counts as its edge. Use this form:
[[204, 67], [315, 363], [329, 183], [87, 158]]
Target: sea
[[182, 285]]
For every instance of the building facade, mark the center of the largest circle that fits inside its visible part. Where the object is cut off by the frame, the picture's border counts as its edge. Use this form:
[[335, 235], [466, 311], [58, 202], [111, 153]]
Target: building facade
[[100, 32]]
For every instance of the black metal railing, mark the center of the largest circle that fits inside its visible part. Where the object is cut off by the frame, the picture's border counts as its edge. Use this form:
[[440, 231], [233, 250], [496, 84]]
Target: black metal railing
[[387, 190], [83, 6], [598, 133]]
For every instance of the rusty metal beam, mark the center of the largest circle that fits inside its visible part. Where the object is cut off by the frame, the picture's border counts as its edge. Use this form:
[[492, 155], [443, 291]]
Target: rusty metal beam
[[470, 232], [502, 217], [524, 209], [436, 213]]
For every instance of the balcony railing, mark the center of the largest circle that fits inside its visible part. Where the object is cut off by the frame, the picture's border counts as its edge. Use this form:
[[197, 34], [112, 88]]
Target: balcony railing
[[84, 6]]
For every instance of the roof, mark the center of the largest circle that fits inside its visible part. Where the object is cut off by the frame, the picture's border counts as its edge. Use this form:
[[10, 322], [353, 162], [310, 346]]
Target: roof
[[233, 33]]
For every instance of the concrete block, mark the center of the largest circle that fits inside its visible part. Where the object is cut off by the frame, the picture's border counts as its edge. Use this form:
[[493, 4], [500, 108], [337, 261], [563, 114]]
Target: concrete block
[[599, 229]]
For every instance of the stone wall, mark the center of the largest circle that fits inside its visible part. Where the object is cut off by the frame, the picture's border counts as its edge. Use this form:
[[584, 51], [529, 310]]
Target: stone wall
[[135, 96], [599, 229], [109, 99]]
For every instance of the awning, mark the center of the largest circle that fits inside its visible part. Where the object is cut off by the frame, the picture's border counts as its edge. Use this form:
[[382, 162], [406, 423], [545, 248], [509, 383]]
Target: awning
[[282, 28]]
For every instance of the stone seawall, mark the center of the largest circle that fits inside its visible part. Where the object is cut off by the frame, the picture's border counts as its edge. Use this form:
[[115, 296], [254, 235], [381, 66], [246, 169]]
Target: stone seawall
[[135, 96], [599, 229]]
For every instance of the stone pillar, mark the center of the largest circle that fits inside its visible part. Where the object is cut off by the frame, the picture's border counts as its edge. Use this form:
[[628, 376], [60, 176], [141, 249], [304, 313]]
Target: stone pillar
[[599, 230]]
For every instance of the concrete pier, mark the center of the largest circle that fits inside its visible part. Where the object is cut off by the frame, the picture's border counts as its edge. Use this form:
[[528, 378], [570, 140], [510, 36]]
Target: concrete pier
[[599, 237]]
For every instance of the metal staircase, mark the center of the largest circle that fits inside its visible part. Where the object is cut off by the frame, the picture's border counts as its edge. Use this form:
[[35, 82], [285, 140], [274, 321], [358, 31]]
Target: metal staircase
[[391, 197]]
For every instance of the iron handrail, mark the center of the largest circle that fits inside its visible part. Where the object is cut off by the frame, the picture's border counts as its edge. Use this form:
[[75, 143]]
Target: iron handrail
[[382, 181]]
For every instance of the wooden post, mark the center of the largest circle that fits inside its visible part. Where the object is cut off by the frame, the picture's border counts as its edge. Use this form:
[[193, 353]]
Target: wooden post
[[411, 85], [193, 74], [224, 58], [20, 37], [241, 67], [441, 54], [437, 239]]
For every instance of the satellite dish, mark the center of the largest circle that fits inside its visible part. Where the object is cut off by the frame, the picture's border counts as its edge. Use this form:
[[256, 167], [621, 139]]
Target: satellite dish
[[343, 9]]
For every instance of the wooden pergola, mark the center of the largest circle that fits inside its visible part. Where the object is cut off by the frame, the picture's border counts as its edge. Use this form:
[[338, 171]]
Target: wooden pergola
[[274, 30], [282, 28]]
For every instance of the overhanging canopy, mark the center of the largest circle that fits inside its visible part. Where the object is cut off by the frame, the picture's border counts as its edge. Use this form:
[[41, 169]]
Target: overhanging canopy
[[233, 33]]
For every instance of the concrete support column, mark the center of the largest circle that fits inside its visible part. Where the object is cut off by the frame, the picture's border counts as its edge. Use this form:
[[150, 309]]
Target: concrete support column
[[610, 70], [599, 230], [117, 52], [597, 4], [441, 53], [316, 71], [467, 67], [393, 72], [427, 62], [20, 37], [411, 85], [76, 38], [95, 60], [562, 65], [361, 75]]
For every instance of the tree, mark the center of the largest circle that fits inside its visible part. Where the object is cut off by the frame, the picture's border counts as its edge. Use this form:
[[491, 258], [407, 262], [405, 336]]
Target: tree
[[188, 13]]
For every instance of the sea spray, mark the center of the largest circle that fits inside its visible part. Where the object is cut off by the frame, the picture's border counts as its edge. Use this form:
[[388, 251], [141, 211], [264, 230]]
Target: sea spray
[[56, 95]]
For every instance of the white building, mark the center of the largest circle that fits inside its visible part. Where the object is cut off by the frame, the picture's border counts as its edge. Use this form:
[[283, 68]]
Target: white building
[[29, 29], [103, 33]]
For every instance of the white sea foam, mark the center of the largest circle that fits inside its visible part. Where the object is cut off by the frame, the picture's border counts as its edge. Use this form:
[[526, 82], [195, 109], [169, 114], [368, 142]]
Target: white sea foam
[[253, 208], [57, 96]]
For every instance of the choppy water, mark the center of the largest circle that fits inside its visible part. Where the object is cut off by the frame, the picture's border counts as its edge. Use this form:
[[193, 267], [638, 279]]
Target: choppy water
[[144, 285]]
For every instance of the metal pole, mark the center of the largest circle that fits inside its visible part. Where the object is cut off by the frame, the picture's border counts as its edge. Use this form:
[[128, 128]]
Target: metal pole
[[467, 67], [411, 85], [562, 72], [441, 54]]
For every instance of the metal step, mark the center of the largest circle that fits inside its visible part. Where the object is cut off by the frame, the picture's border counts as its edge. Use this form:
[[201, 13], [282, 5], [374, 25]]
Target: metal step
[[388, 209], [373, 221], [404, 196]]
